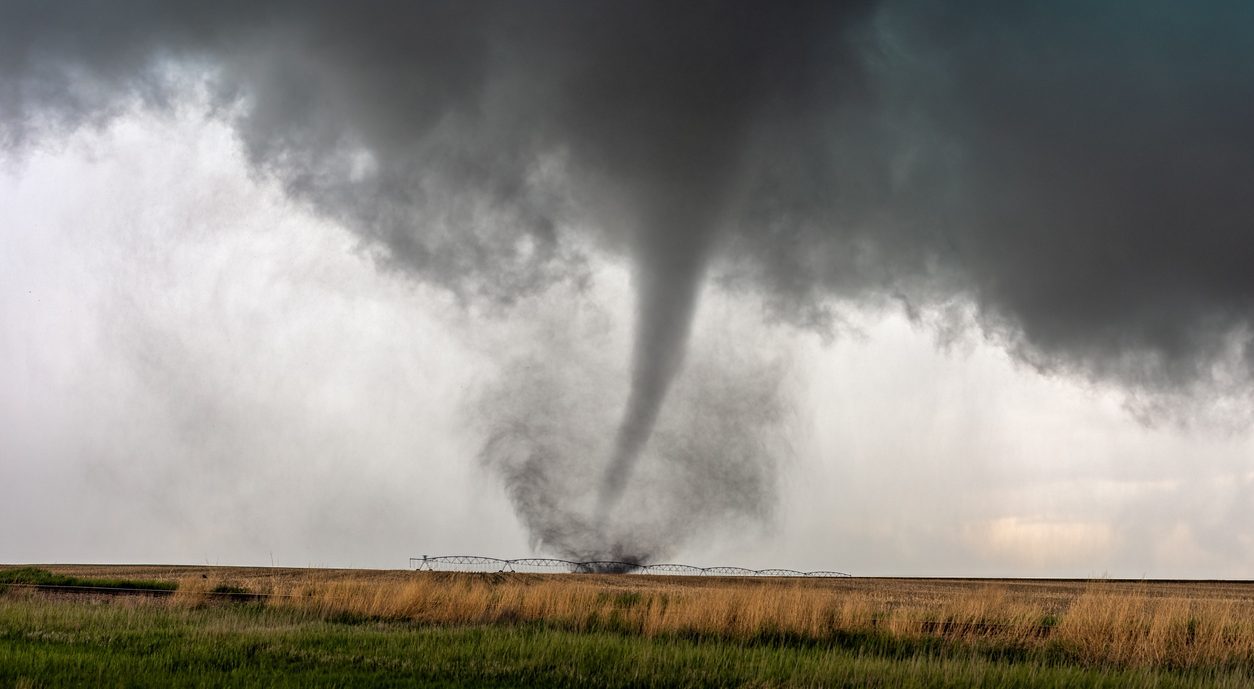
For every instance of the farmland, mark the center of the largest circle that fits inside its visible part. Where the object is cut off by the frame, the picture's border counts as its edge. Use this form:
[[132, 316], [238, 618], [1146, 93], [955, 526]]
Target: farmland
[[275, 627]]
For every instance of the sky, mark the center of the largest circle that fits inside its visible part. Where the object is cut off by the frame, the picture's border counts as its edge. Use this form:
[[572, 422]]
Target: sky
[[854, 286]]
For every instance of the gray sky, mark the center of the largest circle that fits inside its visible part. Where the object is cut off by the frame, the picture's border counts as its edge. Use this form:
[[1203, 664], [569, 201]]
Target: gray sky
[[198, 369], [863, 285]]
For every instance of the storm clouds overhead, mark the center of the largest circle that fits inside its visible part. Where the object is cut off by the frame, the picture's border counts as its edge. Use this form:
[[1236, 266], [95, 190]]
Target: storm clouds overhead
[[1072, 182]]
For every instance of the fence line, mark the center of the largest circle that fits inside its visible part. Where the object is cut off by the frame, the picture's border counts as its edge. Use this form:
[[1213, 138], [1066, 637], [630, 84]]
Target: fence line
[[548, 564]]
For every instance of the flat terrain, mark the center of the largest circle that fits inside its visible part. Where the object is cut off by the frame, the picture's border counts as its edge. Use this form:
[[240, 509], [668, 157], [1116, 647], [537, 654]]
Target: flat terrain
[[1049, 595], [318, 627]]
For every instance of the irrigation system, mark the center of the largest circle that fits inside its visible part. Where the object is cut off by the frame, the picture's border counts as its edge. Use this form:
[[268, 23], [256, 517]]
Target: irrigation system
[[480, 563]]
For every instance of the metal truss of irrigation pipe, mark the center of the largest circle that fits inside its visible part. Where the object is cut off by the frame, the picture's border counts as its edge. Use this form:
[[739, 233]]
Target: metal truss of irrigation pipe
[[453, 562]]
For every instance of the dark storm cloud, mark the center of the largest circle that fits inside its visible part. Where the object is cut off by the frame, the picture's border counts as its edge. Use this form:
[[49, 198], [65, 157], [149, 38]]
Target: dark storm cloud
[[451, 134], [1080, 172]]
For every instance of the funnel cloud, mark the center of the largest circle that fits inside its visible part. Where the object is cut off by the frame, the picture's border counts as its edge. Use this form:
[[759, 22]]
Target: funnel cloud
[[1070, 180]]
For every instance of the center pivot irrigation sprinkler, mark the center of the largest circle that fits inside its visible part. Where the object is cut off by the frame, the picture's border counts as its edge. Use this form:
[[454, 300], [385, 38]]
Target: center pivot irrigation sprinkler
[[481, 563]]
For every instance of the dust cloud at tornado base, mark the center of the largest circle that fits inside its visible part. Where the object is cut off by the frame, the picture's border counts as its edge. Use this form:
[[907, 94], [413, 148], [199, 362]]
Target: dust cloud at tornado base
[[712, 464]]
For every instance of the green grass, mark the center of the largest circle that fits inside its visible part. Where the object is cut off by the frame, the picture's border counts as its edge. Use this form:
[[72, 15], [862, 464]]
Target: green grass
[[42, 577], [148, 643]]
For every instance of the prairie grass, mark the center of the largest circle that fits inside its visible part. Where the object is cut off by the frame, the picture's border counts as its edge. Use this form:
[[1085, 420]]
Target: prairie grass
[[1099, 624], [1162, 625], [35, 576], [60, 641]]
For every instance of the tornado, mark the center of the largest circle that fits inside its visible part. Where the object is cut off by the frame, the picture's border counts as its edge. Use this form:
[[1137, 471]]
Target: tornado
[[668, 276]]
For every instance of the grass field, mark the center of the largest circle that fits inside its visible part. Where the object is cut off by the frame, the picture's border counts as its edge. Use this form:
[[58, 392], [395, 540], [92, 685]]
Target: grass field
[[359, 628]]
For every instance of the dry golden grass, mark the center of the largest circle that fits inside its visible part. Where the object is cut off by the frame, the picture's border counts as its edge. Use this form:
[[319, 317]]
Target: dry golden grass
[[1149, 624]]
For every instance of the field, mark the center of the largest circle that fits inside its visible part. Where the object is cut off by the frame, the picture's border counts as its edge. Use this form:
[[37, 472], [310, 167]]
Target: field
[[297, 627]]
